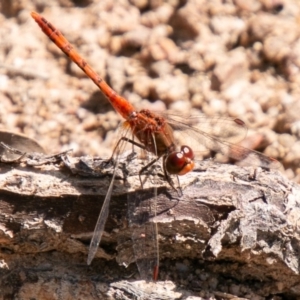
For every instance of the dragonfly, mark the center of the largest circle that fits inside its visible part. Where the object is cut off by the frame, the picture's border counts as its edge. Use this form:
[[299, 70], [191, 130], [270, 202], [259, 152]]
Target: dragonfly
[[155, 133]]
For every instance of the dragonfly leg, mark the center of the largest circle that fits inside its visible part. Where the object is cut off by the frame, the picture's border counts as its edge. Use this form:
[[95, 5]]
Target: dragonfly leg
[[166, 175], [128, 141], [170, 181], [143, 169], [116, 149]]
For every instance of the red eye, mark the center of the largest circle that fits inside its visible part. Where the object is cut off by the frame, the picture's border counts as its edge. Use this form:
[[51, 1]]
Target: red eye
[[180, 163], [187, 152]]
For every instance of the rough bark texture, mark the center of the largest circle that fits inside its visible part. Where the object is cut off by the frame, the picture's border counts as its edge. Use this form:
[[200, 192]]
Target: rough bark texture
[[233, 232]]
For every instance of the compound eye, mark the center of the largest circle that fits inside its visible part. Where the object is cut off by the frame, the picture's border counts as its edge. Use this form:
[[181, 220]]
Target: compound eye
[[187, 152], [180, 163]]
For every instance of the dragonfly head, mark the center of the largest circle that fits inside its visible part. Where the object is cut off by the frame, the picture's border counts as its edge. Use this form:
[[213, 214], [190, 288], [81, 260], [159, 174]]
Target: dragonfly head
[[181, 162]]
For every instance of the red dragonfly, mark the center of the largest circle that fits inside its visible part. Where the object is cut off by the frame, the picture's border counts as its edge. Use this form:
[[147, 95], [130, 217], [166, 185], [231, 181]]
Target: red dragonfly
[[155, 133]]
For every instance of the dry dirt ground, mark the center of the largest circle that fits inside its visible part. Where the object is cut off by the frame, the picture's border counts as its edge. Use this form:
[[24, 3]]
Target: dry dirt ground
[[230, 58]]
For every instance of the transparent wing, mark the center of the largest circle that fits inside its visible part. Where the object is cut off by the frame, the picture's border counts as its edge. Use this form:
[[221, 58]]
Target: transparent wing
[[223, 129], [219, 135], [141, 209], [99, 228]]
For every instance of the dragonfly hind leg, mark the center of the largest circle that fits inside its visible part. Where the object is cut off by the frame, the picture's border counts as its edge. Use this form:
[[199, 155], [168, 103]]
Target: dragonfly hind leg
[[143, 169], [170, 181], [166, 175]]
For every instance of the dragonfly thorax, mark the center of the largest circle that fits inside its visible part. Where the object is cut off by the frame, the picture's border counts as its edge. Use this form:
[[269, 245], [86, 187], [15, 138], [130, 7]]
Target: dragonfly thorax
[[153, 132]]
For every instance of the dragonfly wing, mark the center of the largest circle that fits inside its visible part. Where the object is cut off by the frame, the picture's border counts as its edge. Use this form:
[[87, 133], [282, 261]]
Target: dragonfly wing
[[219, 135], [99, 228], [223, 129], [141, 208], [123, 131], [249, 157]]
